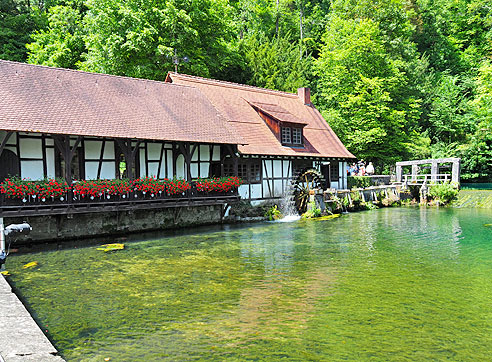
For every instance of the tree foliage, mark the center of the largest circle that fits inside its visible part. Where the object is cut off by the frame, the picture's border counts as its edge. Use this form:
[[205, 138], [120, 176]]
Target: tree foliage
[[396, 79]]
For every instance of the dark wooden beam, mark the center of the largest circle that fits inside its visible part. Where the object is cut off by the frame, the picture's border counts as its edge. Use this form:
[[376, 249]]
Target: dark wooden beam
[[101, 157], [4, 142], [62, 142], [125, 145]]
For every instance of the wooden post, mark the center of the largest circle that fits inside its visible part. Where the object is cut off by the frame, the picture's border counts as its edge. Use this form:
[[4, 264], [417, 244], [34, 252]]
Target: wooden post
[[4, 142], [399, 177], [415, 170], [434, 171], [62, 142], [456, 171], [130, 153]]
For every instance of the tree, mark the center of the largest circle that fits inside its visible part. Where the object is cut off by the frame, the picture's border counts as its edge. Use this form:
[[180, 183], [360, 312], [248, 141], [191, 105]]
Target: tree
[[61, 44], [139, 38], [16, 24], [361, 91], [275, 64]]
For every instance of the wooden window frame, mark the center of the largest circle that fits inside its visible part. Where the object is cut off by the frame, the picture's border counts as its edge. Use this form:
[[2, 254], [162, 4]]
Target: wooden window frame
[[247, 164], [286, 132], [290, 131]]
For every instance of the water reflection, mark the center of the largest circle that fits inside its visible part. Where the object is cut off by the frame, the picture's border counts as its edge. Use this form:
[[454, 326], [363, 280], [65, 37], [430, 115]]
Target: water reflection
[[366, 286]]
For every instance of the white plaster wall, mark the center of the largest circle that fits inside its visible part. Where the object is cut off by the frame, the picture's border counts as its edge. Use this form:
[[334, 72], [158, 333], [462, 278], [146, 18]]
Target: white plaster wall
[[154, 151], [243, 191], [204, 169], [341, 171], [141, 155], [107, 170], [216, 153], [13, 149], [287, 169], [180, 167], [194, 156], [50, 162], [255, 191], [278, 188], [204, 153], [153, 168], [30, 148], [170, 173], [194, 170], [277, 168], [267, 190], [92, 149], [267, 168], [108, 150], [91, 170], [32, 169]]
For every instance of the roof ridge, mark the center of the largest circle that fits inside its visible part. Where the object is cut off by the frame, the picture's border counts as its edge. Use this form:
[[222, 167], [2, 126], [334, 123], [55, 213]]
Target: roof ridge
[[91, 73], [233, 84]]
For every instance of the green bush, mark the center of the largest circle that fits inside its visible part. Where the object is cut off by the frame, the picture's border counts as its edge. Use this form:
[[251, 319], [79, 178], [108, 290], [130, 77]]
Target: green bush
[[359, 181], [313, 211], [443, 193], [273, 213]]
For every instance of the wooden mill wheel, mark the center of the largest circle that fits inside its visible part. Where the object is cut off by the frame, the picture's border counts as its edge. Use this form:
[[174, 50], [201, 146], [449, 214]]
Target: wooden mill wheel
[[305, 182]]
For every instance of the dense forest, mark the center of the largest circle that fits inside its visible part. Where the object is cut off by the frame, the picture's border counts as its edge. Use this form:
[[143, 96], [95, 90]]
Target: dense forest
[[396, 79]]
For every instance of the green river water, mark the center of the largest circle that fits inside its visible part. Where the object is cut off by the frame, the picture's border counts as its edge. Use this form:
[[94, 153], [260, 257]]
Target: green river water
[[401, 284]]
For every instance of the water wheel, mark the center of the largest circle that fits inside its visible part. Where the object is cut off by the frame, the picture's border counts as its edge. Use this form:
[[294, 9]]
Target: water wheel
[[305, 182]]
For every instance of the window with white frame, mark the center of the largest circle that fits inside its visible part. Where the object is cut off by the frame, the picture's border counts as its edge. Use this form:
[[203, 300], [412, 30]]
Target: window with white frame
[[297, 136], [286, 136]]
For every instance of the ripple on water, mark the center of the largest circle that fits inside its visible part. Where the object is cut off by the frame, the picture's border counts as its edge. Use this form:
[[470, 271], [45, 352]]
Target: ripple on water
[[391, 284]]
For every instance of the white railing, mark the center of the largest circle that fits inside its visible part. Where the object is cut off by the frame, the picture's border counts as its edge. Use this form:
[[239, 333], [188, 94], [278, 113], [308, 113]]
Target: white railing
[[421, 179]]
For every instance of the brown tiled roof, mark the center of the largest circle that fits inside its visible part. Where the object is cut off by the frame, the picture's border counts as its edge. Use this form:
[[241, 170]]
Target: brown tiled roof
[[61, 101], [235, 102], [278, 113]]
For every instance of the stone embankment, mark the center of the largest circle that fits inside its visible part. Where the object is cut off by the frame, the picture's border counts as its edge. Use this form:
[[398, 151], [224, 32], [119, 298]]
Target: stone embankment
[[21, 339]]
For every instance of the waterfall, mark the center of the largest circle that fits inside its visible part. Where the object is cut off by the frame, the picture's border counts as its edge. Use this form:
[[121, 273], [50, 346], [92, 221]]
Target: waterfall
[[288, 206]]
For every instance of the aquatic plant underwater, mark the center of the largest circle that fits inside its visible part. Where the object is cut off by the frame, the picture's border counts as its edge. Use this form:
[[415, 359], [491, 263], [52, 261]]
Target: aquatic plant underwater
[[390, 284]]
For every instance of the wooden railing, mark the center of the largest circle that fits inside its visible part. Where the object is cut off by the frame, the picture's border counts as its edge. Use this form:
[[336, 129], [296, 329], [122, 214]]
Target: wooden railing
[[427, 179]]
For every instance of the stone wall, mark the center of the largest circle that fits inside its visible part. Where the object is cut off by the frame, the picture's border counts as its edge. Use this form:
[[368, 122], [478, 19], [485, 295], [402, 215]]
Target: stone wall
[[75, 226]]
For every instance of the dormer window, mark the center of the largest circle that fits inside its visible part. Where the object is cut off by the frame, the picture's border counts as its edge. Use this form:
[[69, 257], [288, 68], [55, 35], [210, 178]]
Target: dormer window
[[286, 127], [286, 137], [291, 136], [297, 136]]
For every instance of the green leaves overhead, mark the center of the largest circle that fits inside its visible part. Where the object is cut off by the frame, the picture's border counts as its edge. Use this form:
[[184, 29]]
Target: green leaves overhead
[[365, 87], [396, 79]]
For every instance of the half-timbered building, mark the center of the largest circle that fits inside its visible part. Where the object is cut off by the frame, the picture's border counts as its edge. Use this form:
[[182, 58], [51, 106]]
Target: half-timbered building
[[86, 126], [283, 133]]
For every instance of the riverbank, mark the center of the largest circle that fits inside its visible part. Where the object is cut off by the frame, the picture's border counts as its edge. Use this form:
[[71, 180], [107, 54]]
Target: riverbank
[[21, 339]]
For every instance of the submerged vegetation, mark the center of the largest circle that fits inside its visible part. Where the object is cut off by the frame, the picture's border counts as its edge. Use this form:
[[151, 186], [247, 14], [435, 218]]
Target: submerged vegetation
[[396, 79], [363, 287]]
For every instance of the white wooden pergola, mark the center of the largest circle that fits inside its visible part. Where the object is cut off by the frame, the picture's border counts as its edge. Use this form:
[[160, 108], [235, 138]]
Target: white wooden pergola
[[434, 177]]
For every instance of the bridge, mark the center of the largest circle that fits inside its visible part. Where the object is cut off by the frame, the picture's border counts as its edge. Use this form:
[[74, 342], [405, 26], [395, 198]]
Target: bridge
[[418, 179]]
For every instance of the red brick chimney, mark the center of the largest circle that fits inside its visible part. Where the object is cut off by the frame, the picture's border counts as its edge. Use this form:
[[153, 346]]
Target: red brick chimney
[[304, 95]]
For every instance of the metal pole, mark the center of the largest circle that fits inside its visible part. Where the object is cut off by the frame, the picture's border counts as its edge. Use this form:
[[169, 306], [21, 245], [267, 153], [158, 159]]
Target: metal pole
[[3, 251], [2, 236]]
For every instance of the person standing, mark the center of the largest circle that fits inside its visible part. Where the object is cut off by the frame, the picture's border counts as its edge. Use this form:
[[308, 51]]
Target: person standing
[[370, 169]]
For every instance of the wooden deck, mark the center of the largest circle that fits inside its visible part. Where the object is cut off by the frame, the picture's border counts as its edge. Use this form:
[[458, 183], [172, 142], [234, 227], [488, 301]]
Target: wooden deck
[[71, 205]]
